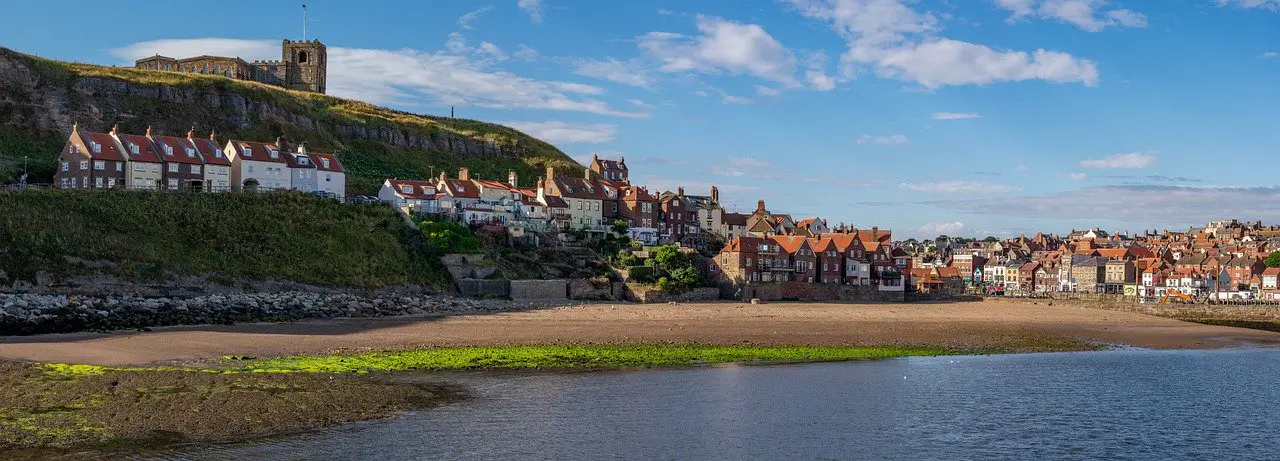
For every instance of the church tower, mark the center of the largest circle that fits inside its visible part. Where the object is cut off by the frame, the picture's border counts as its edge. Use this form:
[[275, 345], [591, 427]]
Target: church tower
[[305, 62]]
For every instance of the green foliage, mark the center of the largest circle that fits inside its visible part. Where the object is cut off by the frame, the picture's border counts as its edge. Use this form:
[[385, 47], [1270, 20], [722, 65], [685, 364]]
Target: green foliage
[[449, 237], [626, 259], [666, 285], [643, 274], [143, 235], [686, 277], [620, 227], [990, 239], [1273, 259], [578, 356], [669, 257]]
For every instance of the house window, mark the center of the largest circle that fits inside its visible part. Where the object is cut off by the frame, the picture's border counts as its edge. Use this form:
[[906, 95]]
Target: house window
[[95, 147], [217, 154], [195, 169], [66, 166], [133, 148], [191, 153], [168, 150], [250, 169], [84, 164], [409, 189], [155, 167], [97, 182], [111, 182], [248, 152], [273, 153], [74, 149], [139, 167], [325, 161], [173, 167], [66, 183], [99, 165]]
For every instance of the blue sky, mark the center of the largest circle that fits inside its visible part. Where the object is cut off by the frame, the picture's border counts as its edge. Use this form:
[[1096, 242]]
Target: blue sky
[[973, 117]]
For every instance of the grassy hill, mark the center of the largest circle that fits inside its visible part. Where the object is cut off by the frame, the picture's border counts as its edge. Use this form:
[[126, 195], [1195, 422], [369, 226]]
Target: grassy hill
[[41, 98], [144, 235]]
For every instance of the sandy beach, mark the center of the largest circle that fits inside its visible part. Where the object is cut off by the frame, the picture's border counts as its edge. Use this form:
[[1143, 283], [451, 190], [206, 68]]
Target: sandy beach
[[1014, 325]]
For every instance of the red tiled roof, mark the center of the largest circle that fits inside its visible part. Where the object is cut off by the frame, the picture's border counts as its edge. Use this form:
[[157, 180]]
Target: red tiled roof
[[108, 150], [1271, 271], [789, 243], [461, 188], [948, 272], [296, 160], [210, 152], [319, 160], [744, 245], [420, 190], [258, 152], [178, 148], [821, 244], [147, 150]]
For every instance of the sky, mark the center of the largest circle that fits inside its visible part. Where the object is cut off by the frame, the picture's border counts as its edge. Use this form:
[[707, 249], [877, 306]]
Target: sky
[[958, 117]]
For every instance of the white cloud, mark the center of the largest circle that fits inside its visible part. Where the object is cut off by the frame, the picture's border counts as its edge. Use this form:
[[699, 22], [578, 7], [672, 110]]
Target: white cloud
[[409, 77], [1146, 205], [890, 140], [1077, 176], [465, 20], [1130, 160], [531, 7], [942, 228], [631, 72], [896, 41], [958, 187], [492, 51], [767, 91], [748, 162], [557, 132], [1088, 15], [640, 104], [815, 73], [456, 44], [524, 53], [1021, 168], [723, 46], [955, 115], [1269, 55], [1273, 5]]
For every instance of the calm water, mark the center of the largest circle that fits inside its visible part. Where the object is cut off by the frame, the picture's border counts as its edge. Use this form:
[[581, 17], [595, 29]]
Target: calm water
[[1115, 404]]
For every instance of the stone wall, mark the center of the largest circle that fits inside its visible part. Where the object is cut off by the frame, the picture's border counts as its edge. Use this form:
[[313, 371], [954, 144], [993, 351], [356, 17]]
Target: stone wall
[[539, 289], [588, 289], [802, 291], [644, 293]]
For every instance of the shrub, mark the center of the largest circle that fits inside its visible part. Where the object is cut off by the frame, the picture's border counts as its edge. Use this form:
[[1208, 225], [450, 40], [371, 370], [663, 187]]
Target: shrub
[[642, 274], [449, 237]]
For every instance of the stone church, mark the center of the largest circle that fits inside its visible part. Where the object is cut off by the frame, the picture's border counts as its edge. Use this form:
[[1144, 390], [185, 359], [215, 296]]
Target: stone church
[[301, 66]]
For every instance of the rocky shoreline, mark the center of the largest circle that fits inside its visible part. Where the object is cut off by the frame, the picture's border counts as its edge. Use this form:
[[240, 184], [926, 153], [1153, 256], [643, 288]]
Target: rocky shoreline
[[29, 313]]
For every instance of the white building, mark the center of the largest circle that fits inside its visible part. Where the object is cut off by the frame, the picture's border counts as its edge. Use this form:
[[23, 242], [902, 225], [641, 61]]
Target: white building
[[419, 196], [257, 166], [330, 177]]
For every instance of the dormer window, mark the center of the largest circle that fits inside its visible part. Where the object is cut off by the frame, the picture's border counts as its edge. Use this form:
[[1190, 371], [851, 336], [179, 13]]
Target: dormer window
[[248, 152], [217, 154], [133, 148], [325, 161], [95, 147], [428, 190], [191, 152], [407, 189], [168, 150], [273, 153]]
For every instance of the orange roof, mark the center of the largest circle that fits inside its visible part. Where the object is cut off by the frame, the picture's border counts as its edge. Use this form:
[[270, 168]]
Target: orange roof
[[948, 272], [1271, 271], [821, 244], [325, 162], [417, 189], [177, 150], [107, 149], [744, 244], [790, 243]]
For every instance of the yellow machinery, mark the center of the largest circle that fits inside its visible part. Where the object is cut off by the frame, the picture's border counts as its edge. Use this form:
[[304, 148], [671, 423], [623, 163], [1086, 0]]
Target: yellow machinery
[[1175, 294]]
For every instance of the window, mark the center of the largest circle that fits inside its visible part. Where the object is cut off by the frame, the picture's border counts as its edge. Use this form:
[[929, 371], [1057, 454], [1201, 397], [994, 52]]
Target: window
[[273, 153], [99, 165], [111, 182], [66, 183], [173, 184], [97, 182], [173, 167], [191, 153], [248, 152], [407, 189], [168, 150], [66, 166], [84, 164], [95, 147], [155, 167], [325, 161], [217, 154], [74, 149], [195, 169], [133, 148], [139, 167], [249, 169]]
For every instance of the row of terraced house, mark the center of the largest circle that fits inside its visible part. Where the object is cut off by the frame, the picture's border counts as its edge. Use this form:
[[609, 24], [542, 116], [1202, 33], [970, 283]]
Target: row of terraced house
[[94, 160]]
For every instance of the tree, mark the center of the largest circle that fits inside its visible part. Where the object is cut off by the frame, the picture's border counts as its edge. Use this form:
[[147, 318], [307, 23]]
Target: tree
[[686, 277], [450, 237], [670, 258], [991, 239], [1273, 259], [620, 227]]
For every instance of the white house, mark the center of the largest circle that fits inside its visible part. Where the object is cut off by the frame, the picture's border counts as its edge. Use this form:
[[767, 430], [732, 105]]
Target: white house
[[419, 196], [256, 166], [330, 177], [302, 172]]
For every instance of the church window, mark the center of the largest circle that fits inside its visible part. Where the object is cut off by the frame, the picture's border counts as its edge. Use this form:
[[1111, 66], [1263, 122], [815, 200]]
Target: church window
[[302, 57]]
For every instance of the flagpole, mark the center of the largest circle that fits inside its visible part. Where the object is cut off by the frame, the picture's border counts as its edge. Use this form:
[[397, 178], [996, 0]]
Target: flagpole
[[304, 22]]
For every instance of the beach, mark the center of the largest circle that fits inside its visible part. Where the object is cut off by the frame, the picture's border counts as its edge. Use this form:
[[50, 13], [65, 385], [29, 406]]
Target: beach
[[1006, 325]]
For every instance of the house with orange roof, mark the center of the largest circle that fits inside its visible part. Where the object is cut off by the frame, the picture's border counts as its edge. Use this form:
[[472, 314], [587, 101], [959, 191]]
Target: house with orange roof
[[584, 197], [418, 196], [857, 266], [90, 160], [800, 258], [740, 260], [829, 263], [331, 178], [217, 166], [187, 172]]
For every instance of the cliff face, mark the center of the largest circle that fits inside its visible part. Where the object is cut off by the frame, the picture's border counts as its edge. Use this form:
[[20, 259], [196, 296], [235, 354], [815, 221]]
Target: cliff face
[[41, 99]]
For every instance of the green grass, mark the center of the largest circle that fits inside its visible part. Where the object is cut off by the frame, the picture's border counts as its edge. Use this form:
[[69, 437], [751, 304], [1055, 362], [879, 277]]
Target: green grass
[[368, 163], [582, 356], [148, 235]]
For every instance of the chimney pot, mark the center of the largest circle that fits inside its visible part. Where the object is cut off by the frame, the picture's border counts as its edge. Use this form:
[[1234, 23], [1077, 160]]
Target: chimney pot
[[115, 129], [148, 131], [464, 173]]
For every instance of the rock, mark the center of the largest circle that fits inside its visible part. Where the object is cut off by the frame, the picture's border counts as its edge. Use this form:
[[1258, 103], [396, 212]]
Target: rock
[[756, 301]]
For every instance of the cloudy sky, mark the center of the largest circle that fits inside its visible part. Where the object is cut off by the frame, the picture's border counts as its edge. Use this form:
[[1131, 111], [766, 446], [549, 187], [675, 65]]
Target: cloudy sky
[[965, 117]]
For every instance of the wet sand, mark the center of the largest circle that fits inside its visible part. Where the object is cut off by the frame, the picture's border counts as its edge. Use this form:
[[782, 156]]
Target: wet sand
[[1013, 325]]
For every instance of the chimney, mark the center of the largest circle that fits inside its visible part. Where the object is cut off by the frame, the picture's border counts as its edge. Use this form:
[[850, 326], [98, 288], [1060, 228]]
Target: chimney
[[551, 173], [594, 159], [148, 131], [464, 173], [542, 191], [442, 177], [760, 206], [75, 126], [191, 134], [302, 147], [512, 178], [715, 195], [622, 160], [586, 174], [115, 130], [875, 232], [213, 136]]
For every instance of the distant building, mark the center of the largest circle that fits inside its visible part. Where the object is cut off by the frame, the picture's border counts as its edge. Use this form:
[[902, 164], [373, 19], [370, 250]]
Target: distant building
[[302, 66]]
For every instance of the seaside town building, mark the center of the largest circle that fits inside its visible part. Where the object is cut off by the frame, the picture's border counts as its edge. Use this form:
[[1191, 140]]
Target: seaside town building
[[303, 66]]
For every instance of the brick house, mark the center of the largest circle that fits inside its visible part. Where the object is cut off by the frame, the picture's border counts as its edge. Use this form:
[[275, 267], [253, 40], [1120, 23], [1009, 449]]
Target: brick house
[[1027, 277], [90, 160], [189, 172], [145, 169], [800, 257], [678, 217], [1241, 270], [856, 264], [217, 166], [610, 170], [639, 207], [829, 262]]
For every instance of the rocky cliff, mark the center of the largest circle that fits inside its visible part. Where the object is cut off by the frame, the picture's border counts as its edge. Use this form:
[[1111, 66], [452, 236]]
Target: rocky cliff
[[40, 99]]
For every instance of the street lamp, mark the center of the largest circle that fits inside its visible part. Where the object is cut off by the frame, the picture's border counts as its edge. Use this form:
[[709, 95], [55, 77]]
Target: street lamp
[[24, 171]]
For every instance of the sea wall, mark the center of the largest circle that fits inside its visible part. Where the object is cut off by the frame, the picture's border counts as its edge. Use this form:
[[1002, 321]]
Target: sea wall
[[801, 291]]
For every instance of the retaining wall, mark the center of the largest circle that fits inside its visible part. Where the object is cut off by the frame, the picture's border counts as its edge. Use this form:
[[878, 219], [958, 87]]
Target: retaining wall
[[539, 289]]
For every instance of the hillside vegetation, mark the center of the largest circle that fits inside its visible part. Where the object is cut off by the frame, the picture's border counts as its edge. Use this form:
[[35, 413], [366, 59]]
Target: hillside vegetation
[[149, 235], [41, 98]]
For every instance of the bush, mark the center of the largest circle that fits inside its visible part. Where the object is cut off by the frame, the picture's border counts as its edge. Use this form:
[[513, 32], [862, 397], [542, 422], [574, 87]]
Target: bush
[[642, 274], [449, 237]]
